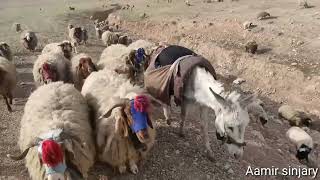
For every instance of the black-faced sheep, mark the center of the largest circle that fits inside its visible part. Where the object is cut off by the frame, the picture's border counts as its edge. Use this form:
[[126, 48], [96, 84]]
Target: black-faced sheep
[[108, 38], [295, 118], [29, 40], [124, 132], [56, 136], [8, 80], [64, 48], [81, 67], [75, 35], [51, 67], [5, 51], [301, 140]]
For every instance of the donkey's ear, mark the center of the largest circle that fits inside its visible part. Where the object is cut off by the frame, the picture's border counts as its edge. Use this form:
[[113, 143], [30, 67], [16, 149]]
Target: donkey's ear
[[247, 100], [226, 104]]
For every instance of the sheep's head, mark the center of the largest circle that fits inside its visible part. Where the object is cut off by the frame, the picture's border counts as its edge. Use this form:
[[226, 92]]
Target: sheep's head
[[49, 73], [55, 155], [134, 120], [85, 67], [66, 48], [70, 26], [5, 51]]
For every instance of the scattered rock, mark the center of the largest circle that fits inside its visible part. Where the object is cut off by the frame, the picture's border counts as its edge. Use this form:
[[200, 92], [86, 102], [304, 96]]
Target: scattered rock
[[271, 73], [239, 81], [143, 15], [251, 47], [187, 3], [294, 64], [227, 166], [230, 171], [177, 152], [299, 43], [263, 15], [309, 78], [280, 33], [174, 22], [210, 24], [247, 25]]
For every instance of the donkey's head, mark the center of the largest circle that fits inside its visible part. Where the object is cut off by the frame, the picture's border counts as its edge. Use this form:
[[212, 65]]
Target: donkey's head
[[232, 120]]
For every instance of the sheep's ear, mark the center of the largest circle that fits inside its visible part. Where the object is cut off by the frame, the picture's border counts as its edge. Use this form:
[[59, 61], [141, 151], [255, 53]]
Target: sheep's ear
[[121, 126], [149, 122]]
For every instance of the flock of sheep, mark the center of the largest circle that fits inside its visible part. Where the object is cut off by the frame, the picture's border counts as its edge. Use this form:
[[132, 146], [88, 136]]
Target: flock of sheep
[[87, 108]]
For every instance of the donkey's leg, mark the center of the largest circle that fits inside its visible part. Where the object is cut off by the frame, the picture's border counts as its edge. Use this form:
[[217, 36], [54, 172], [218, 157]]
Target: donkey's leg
[[205, 126], [7, 103], [167, 113], [184, 112]]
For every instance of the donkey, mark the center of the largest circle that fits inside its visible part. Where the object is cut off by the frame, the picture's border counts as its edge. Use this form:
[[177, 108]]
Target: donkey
[[203, 90]]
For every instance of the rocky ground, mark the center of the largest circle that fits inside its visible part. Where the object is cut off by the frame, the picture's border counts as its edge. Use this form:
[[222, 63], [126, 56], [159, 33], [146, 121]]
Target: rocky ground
[[284, 71]]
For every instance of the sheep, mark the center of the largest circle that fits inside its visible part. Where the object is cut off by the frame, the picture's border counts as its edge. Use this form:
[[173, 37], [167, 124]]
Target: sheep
[[29, 40], [75, 34], [301, 140], [295, 118], [256, 111], [5, 51], [124, 40], [118, 142], [84, 36], [109, 38], [146, 45], [118, 58], [64, 48], [247, 25], [8, 80], [56, 122], [81, 67], [98, 32], [51, 67]]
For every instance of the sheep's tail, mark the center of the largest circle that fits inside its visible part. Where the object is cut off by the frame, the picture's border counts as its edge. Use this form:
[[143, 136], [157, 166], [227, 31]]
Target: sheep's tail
[[19, 157]]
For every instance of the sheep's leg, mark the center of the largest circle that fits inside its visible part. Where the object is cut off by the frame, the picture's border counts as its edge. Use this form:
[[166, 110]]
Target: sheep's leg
[[205, 125], [7, 103], [167, 113], [133, 167], [122, 169], [183, 115]]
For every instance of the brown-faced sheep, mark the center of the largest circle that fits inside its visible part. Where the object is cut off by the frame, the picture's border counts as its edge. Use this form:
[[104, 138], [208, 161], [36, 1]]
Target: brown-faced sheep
[[56, 134], [81, 67]]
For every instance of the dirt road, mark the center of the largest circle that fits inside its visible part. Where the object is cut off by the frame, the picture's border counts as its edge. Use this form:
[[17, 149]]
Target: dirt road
[[211, 29]]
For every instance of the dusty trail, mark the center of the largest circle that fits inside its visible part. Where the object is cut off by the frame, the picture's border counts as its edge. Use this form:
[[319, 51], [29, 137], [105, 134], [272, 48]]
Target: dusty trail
[[174, 157]]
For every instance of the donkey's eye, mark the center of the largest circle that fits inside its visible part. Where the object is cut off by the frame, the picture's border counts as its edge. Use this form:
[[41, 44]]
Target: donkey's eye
[[230, 128]]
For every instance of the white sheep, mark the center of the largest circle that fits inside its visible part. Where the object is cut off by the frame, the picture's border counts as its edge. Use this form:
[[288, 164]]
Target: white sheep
[[109, 38], [118, 57], [146, 45], [118, 143], [51, 67], [75, 35], [8, 80], [29, 40], [301, 140], [64, 48], [56, 126], [5, 51], [81, 67]]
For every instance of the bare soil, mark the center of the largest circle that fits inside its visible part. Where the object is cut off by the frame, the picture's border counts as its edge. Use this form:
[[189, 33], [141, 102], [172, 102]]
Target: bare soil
[[211, 29]]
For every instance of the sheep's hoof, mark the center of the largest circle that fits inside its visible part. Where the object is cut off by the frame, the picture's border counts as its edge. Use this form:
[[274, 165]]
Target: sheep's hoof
[[134, 169], [122, 169]]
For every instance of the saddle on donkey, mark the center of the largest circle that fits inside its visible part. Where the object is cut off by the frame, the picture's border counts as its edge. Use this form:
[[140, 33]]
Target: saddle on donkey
[[169, 69]]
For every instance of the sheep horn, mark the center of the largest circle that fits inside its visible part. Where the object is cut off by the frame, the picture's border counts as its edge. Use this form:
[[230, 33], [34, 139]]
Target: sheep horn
[[25, 152], [120, 102]]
